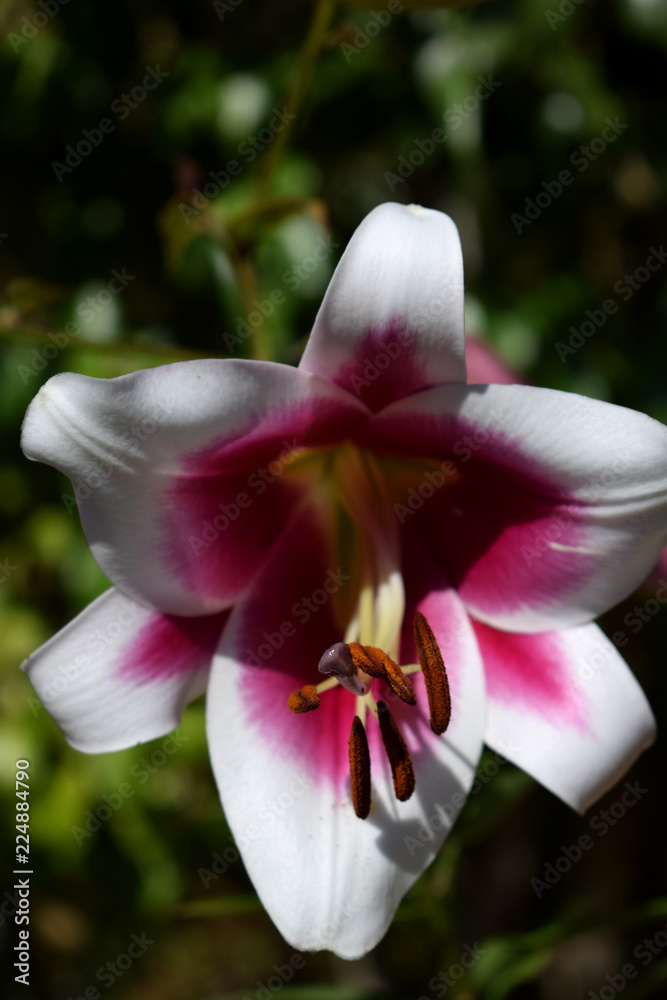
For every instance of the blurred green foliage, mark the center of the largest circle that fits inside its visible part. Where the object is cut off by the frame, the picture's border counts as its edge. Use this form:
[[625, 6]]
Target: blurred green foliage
[[143, 201]]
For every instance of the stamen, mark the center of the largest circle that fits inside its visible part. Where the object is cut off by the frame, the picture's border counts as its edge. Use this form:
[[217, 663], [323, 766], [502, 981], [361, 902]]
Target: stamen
[[360, 769], [306, 699], [435, 675], [401, 766], [375, 662]]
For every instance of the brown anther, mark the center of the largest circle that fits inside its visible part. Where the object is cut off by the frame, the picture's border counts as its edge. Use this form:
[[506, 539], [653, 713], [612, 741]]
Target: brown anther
[[435, 675], [360, 769], [306, 699], [376, 663], [397, 752]]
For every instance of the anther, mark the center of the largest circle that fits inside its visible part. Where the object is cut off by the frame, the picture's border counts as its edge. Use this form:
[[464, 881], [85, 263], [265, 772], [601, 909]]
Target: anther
[[435, 675], [306, 699], [397, 752], [360, 769], [376, 663]]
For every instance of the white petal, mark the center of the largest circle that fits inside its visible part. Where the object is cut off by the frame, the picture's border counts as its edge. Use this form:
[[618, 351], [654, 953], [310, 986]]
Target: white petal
[[392, 319], [169, 467], [327, 878], [565, 707], [549, 507], [120, 674]]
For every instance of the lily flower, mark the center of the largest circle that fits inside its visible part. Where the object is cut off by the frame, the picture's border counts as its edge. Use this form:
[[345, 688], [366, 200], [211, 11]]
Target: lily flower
[[368, 541]]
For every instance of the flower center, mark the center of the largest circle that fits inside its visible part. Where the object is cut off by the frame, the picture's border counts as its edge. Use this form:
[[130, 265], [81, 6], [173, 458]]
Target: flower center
[[354, 666], [369, 649]]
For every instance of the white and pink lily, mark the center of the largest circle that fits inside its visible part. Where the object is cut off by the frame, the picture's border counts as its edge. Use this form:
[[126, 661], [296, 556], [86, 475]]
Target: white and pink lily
[[251, 515]]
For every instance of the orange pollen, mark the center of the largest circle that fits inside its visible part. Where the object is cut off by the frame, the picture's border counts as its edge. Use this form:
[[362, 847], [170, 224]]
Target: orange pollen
[[435, 675], [306, 699], [360, 769], [401, 766], [376, 663]]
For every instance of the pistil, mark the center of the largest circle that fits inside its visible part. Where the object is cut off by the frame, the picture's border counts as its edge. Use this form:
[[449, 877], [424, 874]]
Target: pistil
[[338, 662]]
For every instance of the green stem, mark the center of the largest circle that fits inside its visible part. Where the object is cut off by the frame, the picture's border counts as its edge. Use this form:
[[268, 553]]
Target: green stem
[[246, 276], [322, 15], [249, 290]]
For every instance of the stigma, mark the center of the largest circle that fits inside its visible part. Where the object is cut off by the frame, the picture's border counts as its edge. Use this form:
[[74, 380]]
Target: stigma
[[354, 667]]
